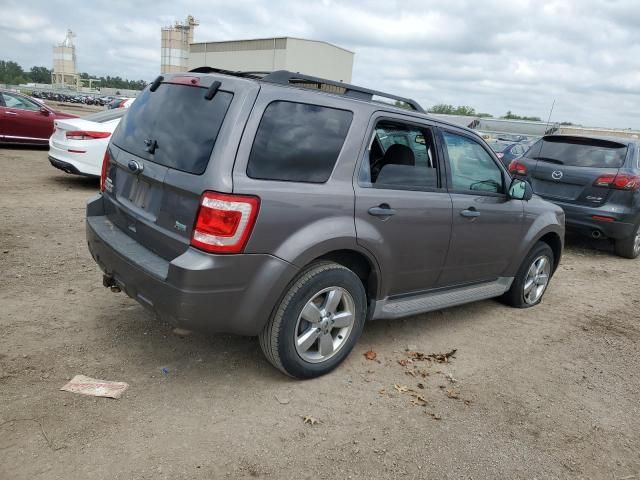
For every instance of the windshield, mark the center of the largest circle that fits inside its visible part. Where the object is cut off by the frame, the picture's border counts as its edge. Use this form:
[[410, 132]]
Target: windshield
[[579, 152], [498, 147], [174, 126]]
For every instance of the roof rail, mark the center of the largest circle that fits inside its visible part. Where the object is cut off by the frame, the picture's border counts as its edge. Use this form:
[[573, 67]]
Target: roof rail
[[285, 77]]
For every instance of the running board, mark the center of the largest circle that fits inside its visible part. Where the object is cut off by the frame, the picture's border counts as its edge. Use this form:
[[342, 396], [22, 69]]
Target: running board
[[439, 299]]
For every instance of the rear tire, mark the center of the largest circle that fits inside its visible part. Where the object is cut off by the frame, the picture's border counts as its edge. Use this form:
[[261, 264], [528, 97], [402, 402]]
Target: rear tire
[[629, 247], [317, 323], [532, 279]]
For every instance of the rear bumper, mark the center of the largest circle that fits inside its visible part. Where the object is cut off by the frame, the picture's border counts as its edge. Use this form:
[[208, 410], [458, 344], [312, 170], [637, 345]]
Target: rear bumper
[[67, 167], [580, 219], [196, 291]]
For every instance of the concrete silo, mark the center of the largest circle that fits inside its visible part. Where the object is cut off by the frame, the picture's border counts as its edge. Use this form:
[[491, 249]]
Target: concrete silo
[[175, 45], [64, 72]]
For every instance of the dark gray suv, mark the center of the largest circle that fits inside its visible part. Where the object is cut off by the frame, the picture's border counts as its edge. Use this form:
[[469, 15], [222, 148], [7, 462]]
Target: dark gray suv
[[296, 209], [596, 181]]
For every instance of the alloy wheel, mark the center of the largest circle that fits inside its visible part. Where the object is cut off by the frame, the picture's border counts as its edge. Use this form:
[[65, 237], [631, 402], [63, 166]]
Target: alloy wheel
[[324, 324], [537, 279]]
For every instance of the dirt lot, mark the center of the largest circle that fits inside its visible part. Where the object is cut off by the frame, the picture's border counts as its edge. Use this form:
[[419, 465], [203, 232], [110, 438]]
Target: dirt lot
[[549, 392]]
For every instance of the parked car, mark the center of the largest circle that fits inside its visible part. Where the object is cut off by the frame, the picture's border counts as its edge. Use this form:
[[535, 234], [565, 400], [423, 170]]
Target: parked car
[[78, 144], [507, 151], [25, 120], [596, 181], [120, 103], [247, 205], [512, 138]]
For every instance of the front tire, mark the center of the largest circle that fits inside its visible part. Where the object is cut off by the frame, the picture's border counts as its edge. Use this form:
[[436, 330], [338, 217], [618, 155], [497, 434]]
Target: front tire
[[629, 247], [532, 279], [317, 323]]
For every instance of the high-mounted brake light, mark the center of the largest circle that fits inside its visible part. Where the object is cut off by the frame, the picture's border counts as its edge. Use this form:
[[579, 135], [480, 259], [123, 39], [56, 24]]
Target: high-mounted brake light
[[105, 168], [517, 168], [86, 135], [621, 181], [224, 222]]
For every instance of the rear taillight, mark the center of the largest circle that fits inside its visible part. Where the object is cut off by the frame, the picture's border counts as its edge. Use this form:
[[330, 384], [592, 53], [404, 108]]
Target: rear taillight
[[86, 135], [105, 168], [621, 181], [517, 168], [224, 222]]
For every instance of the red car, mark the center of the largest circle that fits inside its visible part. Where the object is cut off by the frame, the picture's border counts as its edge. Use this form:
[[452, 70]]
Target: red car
[[25, 120]]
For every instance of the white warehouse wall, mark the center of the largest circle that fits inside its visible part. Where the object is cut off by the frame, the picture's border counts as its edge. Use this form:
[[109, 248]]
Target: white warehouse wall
[[298, 55]]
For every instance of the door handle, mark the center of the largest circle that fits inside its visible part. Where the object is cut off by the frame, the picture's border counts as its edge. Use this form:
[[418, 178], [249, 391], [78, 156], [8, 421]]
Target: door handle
[[11, 113], [470, 213], [383, 210]]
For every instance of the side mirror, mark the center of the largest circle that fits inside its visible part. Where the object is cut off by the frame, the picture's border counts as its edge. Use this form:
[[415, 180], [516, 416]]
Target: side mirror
[[44, 111], [520, 190]]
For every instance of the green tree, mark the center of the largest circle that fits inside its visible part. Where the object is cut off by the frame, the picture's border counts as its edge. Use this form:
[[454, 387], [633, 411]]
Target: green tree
[[11, 73], [446, 109], [40, 75], [512, 116]]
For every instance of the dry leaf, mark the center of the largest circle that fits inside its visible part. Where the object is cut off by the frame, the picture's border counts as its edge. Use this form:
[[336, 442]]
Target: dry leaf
[[370, 355], [401, 388], [310, 420], [453, 394]]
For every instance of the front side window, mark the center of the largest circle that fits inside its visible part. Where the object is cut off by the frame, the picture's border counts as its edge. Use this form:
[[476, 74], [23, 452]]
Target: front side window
[[298, 142], [14, 101], [400, 156], [472, 168]]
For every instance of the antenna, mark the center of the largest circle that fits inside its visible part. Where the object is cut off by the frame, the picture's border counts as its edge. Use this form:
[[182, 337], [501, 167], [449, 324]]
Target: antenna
[[546, 128], [549, 119]]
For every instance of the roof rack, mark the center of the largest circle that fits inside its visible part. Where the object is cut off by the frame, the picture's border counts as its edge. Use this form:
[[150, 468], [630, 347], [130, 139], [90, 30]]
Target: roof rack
[[284, 77]]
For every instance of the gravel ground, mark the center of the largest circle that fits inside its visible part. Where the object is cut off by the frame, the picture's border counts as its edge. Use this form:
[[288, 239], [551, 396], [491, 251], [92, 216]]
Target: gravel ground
[[548, 392]]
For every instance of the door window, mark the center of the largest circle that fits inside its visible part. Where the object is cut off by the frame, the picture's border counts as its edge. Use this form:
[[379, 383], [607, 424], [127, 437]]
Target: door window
[[400, 156], [14, 101], [472, 168]]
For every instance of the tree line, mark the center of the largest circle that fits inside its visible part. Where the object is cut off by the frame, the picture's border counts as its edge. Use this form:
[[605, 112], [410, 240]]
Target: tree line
[[13, 74], [471, 112]]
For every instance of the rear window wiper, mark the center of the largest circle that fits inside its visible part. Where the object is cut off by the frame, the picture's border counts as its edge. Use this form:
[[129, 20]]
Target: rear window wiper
[[550, 160]]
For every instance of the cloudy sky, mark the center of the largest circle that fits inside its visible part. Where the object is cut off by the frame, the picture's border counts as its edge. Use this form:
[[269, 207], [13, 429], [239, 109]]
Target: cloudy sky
[[494, 55]]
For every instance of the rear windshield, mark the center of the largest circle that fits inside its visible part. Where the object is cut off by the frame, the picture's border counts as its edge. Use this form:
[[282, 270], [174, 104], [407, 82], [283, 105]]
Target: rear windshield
[[179, 121], [579, 152], [106, 116]]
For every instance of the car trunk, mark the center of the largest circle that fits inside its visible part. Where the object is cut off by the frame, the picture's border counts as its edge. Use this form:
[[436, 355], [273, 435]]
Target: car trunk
[[567, 169], [158, 155]]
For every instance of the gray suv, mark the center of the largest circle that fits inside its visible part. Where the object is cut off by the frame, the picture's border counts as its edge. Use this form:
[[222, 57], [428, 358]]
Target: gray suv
[[295, 209]]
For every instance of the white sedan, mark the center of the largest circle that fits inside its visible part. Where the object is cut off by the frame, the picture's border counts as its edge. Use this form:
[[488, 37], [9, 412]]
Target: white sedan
[[78, 144]]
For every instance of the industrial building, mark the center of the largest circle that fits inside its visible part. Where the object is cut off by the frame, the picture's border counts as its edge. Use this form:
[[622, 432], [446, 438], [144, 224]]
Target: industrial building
[[175, 41], [64, 72], [311, 57], [179, 53]]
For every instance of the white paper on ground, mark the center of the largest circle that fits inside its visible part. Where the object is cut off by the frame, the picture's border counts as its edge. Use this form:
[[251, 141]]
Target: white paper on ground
[[96, 388]]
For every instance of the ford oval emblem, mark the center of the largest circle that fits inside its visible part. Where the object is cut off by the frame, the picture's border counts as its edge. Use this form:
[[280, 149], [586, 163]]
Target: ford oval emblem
[[135, 167], [556, 175]]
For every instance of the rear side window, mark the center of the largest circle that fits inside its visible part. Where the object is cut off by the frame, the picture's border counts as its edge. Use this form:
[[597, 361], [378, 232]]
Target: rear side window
[[579, 152], [178, 121], [298, 142]]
